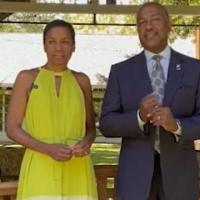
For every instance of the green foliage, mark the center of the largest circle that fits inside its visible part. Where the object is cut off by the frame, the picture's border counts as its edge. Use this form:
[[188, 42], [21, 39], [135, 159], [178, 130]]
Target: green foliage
[[105, 153], [26, 18], [188, 23], [7, 28], [96, 22]]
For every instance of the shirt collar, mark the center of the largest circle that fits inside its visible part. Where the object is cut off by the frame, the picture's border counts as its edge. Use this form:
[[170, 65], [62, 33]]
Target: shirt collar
[[165, 53]]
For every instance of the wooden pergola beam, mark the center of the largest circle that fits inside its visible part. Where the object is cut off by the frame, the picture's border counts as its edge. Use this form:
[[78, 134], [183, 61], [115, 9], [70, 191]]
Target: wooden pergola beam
[[33, 6]]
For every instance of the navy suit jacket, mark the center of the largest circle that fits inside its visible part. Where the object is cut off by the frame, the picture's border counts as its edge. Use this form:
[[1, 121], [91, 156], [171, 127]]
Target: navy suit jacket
[[128, 83]]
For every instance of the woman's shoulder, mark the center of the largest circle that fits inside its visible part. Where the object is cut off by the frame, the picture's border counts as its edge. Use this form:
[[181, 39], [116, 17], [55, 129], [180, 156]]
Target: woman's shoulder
[[28, 73], [82, 79], [26, 77], [81, 76]]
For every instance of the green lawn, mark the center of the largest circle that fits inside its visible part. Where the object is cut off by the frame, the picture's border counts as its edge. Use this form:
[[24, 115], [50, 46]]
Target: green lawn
[[105, 153]]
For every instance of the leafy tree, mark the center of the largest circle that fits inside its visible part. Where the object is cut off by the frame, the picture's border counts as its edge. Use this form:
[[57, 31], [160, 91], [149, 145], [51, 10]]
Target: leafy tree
[[82, 21]]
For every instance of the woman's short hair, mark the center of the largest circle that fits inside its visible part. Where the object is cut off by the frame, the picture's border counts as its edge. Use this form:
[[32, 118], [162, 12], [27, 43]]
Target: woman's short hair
[[59, 23]]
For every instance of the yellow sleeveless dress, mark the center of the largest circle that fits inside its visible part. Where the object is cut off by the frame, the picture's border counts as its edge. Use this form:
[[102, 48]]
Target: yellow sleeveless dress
[[56, 119]]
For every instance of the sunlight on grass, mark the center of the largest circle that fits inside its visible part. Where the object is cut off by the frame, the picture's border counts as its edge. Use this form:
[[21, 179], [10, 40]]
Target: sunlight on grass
[[105, 153]]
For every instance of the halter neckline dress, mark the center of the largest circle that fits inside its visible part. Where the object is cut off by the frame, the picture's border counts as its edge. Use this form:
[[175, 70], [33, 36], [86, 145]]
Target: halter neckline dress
[[54, 118]]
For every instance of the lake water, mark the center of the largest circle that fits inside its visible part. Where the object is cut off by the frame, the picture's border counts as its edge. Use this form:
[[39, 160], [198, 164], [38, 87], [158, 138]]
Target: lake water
[[94, 53]]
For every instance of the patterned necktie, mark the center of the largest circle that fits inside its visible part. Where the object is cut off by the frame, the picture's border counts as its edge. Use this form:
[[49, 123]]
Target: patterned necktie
[[158, 85]]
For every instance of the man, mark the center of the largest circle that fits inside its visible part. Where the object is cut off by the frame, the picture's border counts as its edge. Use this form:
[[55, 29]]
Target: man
[[152, 101]]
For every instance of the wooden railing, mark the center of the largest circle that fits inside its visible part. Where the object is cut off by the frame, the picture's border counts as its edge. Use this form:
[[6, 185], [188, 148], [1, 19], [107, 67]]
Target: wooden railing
[[8, 190], [5, 93], [106, 181]]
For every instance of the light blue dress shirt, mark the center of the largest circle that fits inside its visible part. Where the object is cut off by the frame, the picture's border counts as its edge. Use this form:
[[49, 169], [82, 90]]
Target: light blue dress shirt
[[165, 58], [165, 54]]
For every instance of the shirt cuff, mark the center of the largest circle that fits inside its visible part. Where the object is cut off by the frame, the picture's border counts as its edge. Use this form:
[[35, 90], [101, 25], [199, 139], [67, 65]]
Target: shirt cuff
[[178, 132], [140, 122]]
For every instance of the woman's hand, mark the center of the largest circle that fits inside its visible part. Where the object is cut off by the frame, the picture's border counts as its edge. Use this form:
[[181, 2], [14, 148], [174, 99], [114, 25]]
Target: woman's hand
[[59, 152], [81, 148]]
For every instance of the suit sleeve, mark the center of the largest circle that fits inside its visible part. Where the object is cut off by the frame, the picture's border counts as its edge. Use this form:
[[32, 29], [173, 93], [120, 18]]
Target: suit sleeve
[[191, 125], [114, 122]]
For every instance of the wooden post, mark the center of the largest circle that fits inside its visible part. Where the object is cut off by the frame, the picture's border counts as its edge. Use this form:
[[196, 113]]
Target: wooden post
[[197, 42]]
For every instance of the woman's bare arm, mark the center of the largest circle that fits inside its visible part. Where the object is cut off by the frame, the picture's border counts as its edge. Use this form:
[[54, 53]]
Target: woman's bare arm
[[15, 116], [90, 134]]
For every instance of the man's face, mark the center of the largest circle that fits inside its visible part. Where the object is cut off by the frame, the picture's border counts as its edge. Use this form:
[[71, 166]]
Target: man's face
[[153, 28]]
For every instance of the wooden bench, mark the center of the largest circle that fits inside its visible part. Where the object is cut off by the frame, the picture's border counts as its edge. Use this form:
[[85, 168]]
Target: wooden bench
[[8, 189], [106, 182]]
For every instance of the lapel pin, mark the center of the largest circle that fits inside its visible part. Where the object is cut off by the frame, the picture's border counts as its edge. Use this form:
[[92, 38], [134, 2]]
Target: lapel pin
[[178, 67], [34, 86]]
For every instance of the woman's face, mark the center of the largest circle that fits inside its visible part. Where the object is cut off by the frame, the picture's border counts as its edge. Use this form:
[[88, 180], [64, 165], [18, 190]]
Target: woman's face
[[58, 46]]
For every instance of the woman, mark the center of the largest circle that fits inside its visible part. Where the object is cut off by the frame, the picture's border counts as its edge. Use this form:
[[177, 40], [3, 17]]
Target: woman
[[51, 114]]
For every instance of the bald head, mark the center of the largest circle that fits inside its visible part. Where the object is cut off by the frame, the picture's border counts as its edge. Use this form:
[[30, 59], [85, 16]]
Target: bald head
[[154, 4]]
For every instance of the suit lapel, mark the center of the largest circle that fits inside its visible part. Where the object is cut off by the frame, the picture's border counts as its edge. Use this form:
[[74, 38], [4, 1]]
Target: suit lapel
[[175, 74], [142, 74]]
